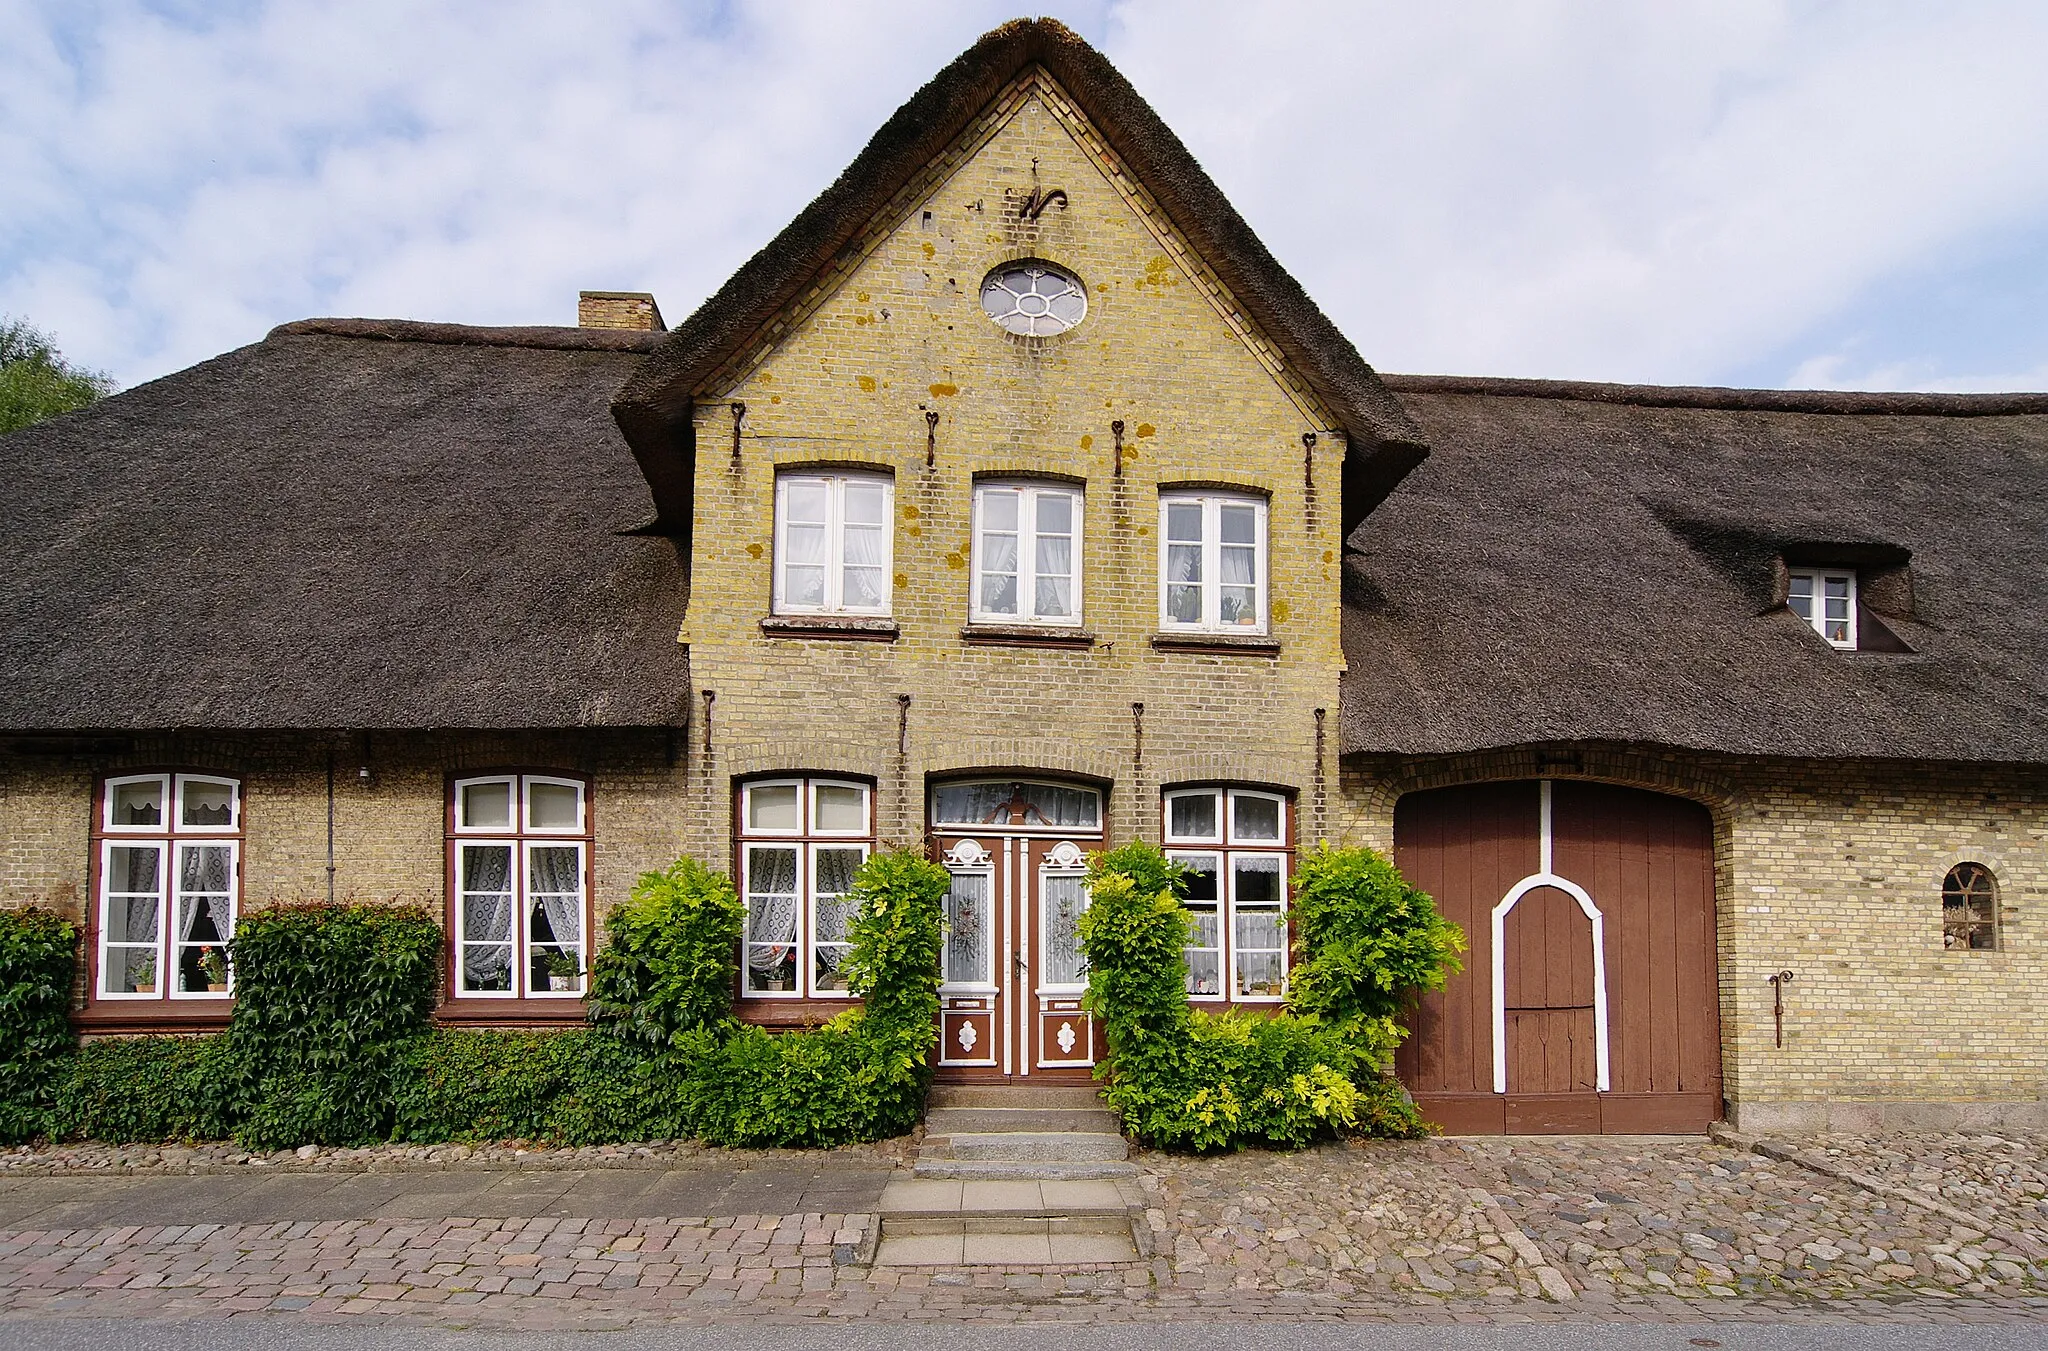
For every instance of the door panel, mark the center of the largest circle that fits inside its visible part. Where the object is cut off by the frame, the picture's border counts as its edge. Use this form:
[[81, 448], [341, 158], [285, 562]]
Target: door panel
[[1646, 861], [1010, 1007]]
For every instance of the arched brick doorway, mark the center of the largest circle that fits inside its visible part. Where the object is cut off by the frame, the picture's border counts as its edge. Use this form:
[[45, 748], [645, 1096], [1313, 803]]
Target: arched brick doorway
[[1589, 1000]]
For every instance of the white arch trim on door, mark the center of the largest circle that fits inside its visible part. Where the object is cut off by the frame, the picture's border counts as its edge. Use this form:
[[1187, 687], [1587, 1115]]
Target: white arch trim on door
[[1544, 877]]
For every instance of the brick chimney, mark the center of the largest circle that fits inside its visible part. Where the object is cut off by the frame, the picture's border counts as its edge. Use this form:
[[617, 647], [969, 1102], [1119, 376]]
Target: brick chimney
[[619, 309]]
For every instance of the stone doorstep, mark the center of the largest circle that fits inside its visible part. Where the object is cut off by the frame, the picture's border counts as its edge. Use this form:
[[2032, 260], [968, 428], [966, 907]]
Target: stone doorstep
[[1026, 1146], [1006, 1249], [931, 1222], [1023, 1170], [930, 1197], [1073, 1096], [965, 1120]]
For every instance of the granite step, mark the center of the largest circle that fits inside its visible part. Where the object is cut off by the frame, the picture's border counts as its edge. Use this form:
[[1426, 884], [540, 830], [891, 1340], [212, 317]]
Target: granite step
[[1026, 1146], [1013, 1096], [1023, 1169], [955, 1120]]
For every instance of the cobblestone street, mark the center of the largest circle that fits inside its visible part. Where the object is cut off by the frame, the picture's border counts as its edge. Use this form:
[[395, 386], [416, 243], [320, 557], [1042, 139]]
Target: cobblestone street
[[1470, 1229]]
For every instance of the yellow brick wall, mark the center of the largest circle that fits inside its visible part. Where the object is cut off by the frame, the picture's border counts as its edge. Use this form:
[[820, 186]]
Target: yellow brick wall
[[849, 375], [388, 829], [1834, 872]]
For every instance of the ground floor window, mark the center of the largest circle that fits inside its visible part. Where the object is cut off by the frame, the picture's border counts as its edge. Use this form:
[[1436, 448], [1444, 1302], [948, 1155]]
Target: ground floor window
[[801, 842], [1234, 843], [168, 858], [519, 855]]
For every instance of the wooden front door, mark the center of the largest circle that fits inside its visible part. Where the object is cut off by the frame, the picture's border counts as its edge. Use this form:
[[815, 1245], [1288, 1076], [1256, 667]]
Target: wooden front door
[[1010, 1001], [1589, 1000]]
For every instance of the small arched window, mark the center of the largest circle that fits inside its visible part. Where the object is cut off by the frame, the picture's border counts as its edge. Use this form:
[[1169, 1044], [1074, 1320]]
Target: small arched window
[[1969, 908]]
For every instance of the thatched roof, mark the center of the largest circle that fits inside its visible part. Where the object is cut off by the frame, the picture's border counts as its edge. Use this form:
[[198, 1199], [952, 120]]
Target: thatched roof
[[352, 524], [1597, 563], [654, 409]]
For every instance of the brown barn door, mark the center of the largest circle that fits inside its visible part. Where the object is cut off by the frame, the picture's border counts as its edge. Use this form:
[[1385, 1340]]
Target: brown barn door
[[1588, 1001]]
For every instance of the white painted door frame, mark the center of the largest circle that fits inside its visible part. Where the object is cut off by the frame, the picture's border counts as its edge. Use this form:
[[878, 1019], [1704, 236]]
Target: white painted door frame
[[1545, 877]]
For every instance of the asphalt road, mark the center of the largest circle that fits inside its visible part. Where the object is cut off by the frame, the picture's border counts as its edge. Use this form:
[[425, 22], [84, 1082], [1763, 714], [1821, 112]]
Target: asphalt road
[[278, 1335]]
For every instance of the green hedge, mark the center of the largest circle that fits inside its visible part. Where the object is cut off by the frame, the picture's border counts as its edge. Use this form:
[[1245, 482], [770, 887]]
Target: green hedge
[[128, 1090], [577, 1088], [328, 999], [38, 957], [1181, 1077], [863, 1075], [667, 968]]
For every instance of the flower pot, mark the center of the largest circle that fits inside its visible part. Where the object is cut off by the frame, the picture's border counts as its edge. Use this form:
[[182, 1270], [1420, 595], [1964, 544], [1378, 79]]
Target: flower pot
[[561, 982], [216, 987], [150, 988]]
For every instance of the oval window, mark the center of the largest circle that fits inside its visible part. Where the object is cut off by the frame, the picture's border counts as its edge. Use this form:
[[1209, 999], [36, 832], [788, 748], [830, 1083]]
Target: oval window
[[1034, 299]]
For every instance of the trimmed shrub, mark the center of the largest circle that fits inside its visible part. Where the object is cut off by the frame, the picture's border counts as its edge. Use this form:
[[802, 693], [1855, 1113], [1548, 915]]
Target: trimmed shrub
[[575, 1088], [38, 955], [863, 1075], [1184, 1078], [137, 1090], [328, 999], [668, 966], [1366, 942]]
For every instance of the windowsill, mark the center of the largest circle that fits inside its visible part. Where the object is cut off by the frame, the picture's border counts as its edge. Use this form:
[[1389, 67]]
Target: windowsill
[[1231, 644], [791, 1010], [870, 628], [154, 1015], [512, 1013], [1025, 635]]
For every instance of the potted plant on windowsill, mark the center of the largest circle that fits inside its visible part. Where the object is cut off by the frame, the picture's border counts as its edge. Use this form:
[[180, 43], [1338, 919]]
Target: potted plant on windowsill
[[213, 965], [145, 975], [564, 972]]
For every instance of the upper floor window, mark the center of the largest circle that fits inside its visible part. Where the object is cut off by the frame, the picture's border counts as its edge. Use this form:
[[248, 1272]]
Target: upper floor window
[[1027, 552], [1826, 599], [1212, 563], [519, 859], [801, 842], [169, 882], [1233, 842], [832, 544], [1969, 908]]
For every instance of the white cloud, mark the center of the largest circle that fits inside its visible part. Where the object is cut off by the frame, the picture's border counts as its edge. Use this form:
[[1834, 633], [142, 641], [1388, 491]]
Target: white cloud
[[1545, 188]]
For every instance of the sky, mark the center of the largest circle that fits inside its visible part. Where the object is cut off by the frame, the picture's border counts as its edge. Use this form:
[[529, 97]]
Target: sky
[[1747, 192]]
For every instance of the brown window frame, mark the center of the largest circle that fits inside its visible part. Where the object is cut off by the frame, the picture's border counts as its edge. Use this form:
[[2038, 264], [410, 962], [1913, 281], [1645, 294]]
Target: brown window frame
[[1961, 886], [162, 1007], [521, 1006]]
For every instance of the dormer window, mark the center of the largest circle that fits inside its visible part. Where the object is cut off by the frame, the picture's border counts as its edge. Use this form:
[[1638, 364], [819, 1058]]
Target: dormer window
[[1826, 599]]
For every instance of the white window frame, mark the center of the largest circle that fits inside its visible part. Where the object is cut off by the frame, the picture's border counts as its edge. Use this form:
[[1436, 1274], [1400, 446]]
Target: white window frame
[[170, 838], [520, 837], [1226, 845], [1817, 580], [808, 841], [835, 485], [1212, 504], [1028, 494]]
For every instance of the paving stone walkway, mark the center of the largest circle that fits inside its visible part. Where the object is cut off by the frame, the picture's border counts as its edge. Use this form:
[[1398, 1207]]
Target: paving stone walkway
[[1467, 1230]]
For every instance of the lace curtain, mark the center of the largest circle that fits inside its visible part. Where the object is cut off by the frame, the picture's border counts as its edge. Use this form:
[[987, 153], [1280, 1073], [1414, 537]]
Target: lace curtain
[[554, 879]]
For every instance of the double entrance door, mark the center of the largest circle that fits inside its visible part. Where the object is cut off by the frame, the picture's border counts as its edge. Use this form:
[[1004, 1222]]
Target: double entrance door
[[1011, 967]]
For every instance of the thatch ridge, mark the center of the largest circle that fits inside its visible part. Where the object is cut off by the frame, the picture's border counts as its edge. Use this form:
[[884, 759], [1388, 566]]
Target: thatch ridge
[[1848, 402], [549, 337], [654, 408]]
